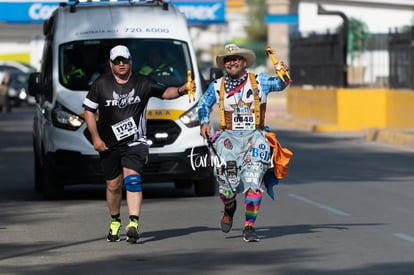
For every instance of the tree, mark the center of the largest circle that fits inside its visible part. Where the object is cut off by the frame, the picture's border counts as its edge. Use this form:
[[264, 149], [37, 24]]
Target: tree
[[358, 37], [256, 29]]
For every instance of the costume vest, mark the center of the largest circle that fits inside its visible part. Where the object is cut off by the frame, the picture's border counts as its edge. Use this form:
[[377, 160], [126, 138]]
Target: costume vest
[[249, 99]]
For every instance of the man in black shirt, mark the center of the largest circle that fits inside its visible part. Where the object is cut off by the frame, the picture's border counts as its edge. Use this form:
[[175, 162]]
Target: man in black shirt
[[120, 133]]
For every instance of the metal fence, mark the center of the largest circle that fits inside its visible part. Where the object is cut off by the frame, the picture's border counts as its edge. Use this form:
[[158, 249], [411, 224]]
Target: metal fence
[[319, 60], [401, 50]]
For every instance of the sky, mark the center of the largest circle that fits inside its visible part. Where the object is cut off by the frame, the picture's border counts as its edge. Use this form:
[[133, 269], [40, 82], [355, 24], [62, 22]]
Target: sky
[[378, 20]]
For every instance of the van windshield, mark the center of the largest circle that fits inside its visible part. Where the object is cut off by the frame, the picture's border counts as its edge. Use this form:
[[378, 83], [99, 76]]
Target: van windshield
[[165, 60]]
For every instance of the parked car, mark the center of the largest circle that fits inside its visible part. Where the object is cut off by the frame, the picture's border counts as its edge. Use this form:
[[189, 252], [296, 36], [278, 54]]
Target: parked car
[[15, 67], [18, 90], [4, 84]]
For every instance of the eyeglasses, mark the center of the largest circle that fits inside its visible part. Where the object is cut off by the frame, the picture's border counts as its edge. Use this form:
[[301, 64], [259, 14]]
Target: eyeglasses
[[232, 58], [119, 59]]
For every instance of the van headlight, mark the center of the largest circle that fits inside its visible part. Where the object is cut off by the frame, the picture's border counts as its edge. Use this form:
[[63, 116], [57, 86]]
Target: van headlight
[[63, 118], [190, 118]]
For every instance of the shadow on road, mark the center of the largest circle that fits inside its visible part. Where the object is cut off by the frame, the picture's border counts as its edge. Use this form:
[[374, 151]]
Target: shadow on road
[[203, 260]]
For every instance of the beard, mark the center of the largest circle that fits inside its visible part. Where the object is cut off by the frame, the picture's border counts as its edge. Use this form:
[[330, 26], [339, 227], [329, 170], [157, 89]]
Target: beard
[[236, 75]]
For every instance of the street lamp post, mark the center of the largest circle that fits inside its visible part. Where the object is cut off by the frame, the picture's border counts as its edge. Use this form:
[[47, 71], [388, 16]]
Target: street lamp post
[[322, 11]]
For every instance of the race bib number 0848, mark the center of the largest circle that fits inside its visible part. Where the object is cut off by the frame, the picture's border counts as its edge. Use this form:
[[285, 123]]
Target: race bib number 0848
[[243, 121]]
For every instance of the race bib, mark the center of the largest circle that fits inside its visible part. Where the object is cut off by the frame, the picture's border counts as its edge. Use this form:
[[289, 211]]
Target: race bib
[[125, 128], [243, 121]]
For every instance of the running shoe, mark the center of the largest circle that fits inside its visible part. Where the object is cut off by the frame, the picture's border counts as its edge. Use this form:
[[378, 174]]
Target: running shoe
[[132, 231], [114, 231], [249, 234], [226, 221]]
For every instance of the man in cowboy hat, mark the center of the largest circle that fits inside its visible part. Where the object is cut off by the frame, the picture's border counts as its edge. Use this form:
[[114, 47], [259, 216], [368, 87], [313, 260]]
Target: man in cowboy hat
[[242, 151]]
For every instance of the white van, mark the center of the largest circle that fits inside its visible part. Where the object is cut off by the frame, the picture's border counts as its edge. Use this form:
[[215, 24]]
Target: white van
[[78, 37]]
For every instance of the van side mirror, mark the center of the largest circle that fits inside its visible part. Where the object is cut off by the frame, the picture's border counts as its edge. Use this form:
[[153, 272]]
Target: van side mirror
[[34, 84], [215, 73]]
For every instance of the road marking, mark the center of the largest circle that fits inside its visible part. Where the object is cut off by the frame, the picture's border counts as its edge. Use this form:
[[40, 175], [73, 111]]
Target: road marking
[[404, 237], [17, 149], [320, 205]]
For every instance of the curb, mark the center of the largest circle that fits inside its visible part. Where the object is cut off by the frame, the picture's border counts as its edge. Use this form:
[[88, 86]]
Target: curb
[[278, 117], [393, 137], [399, 138]]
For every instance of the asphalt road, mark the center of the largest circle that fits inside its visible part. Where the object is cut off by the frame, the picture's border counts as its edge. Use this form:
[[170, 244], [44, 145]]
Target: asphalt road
[[346, 207]]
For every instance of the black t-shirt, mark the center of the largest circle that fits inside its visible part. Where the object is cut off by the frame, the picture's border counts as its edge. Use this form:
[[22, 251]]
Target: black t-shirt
[[118, 102]]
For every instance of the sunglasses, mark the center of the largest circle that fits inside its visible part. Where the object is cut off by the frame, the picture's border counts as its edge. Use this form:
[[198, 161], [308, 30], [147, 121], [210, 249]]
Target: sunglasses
[[232, 58], [118, 60]]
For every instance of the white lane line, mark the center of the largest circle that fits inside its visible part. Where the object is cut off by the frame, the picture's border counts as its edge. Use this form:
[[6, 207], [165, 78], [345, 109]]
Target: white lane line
[[320, 205], [404, 237]]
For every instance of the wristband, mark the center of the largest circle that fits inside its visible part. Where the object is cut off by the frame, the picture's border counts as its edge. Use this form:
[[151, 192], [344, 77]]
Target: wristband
[[179, 93]]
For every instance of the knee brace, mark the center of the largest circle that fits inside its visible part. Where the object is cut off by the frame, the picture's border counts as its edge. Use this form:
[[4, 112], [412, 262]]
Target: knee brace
[[133, 183]]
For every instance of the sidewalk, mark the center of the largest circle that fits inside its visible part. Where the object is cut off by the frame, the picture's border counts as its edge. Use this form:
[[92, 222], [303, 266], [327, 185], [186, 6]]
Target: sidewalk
[[277, 116]]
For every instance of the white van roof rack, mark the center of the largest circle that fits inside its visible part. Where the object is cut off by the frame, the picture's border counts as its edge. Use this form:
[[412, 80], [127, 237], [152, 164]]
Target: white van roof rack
[[74, 3]]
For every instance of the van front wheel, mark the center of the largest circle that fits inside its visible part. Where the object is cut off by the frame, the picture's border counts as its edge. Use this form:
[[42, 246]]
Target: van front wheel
[[38, 185], [206, 186], [52, 189]]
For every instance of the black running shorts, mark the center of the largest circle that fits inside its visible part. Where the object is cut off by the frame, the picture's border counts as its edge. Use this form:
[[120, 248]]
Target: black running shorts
[[132, 157]]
